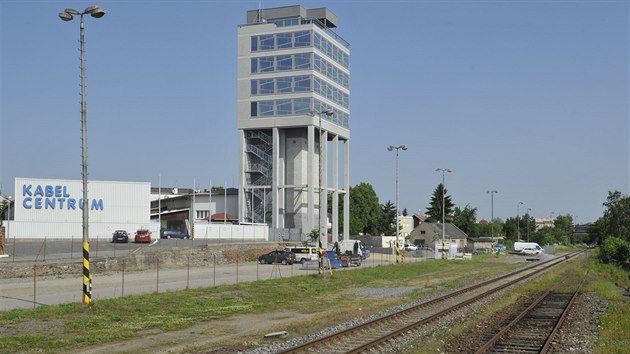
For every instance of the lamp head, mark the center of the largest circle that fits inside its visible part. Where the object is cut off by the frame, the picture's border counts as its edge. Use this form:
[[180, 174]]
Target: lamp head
[[65, 16], [95, 11], [328, 112], [390, 148], [403, 147]]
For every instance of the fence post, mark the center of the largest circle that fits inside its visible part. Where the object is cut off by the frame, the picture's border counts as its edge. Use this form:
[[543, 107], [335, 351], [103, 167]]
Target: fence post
[[71, 246], [45, 240], [214, 266], [237, 268], [13, 249], [34, 284], [157, 282], [188, 274], [123, 279]]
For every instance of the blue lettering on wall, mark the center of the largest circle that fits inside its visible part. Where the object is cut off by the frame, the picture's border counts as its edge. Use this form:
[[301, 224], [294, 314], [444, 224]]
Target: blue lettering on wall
[[97, 204], [54, 197], [50, 203]]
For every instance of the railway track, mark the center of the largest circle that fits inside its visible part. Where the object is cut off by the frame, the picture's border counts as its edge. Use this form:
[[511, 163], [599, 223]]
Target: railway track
[[534, 328], [372, 335]]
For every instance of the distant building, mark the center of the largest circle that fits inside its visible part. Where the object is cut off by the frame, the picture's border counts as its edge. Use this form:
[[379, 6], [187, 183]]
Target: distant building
[[176, 207], [430, 235], [406, 225], [543, 222]]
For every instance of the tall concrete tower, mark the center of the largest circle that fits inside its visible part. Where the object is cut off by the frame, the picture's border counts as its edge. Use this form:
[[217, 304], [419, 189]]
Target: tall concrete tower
[[293, 105]]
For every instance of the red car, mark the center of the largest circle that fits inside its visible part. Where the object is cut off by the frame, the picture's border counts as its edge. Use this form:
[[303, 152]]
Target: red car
[[143, 236]]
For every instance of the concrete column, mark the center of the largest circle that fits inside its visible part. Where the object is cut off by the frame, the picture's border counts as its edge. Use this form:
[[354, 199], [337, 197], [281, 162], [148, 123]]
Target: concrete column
[[275, 192], [242, 162], [346, 187], [311, 170], [335, 196], [323, 190]]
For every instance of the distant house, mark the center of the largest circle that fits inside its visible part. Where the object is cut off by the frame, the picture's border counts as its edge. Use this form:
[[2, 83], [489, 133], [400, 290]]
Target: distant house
[[484, 243], [418, 218], [430, 235]]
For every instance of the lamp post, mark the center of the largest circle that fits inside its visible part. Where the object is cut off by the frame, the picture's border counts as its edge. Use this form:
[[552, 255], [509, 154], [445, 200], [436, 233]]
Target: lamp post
[[328, 112], [492, 193], [397, 148], [8, 216], [67, 15], [518, 223], [443, 170]]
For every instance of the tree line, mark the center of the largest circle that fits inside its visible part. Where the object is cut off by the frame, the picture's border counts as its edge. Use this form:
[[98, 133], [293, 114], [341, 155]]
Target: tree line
[[369, 217]]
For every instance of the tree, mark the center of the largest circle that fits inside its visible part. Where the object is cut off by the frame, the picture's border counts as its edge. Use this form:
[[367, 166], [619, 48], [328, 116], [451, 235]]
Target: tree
[[618, 215], [465, 219], [365, 210], [434, 211], [405, 212], [564, 224], [3, 205], [387, 222]]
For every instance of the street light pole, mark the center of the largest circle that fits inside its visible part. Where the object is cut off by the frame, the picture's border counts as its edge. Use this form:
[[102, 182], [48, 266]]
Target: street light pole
[[443, 170], [528, 216], [8, 217], [67, 15], [328, 112], [397, 148], [518, 224], [492, 193]]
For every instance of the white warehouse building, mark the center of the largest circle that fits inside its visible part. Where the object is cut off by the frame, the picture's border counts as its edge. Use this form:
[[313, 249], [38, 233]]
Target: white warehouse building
[[52, 208]]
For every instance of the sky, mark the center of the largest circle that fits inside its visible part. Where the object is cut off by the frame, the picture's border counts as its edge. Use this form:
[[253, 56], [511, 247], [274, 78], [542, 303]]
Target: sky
[[528, 98]]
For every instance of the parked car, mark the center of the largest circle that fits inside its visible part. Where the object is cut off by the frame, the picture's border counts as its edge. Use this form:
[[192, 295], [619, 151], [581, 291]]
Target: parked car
[[142, 236], [120, 236], [499, 247], [410, 247], [174, 234], [283, 257]]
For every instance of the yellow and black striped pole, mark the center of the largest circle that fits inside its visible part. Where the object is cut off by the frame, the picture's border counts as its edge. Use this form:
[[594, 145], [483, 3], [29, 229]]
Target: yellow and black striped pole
[[320, 252], [87, 277]]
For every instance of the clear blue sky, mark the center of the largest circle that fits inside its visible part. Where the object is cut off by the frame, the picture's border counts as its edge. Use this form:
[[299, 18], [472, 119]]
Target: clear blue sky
[[529, 98]]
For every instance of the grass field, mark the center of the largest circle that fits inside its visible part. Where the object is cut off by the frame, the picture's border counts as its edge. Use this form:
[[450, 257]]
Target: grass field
[[54, 329]]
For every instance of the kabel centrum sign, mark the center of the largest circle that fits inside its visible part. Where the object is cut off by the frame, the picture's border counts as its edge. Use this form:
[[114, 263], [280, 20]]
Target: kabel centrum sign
[[53, 197]]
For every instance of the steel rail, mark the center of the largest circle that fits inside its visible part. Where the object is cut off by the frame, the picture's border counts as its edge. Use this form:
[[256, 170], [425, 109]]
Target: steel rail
[[347, 332], [546, 345]]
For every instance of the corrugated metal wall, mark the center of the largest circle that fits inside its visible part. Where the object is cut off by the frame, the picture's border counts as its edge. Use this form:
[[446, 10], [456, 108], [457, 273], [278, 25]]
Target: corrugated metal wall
[[50, 208]]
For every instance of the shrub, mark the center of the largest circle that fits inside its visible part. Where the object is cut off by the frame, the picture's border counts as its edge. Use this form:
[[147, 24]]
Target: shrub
[[614, 250]]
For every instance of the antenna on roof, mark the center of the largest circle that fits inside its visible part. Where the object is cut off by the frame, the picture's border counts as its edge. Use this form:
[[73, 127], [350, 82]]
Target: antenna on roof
[[260, 12]]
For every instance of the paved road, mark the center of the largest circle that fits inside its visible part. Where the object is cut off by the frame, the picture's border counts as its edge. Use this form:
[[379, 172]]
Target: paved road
[[40, 291]]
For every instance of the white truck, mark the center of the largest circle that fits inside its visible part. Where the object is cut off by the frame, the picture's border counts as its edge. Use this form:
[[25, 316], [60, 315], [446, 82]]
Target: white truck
[[351, 252], [528, 247]]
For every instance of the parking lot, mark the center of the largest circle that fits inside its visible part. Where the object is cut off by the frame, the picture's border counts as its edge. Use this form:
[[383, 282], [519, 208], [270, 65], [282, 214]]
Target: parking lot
[[51, 270]]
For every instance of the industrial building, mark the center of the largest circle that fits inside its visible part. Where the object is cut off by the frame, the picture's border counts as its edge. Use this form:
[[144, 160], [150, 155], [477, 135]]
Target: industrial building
[[52, 208], [293, 107]]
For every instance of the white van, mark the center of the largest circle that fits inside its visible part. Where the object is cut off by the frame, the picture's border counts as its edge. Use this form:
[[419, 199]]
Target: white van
[[304, 254], [520, 246]]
